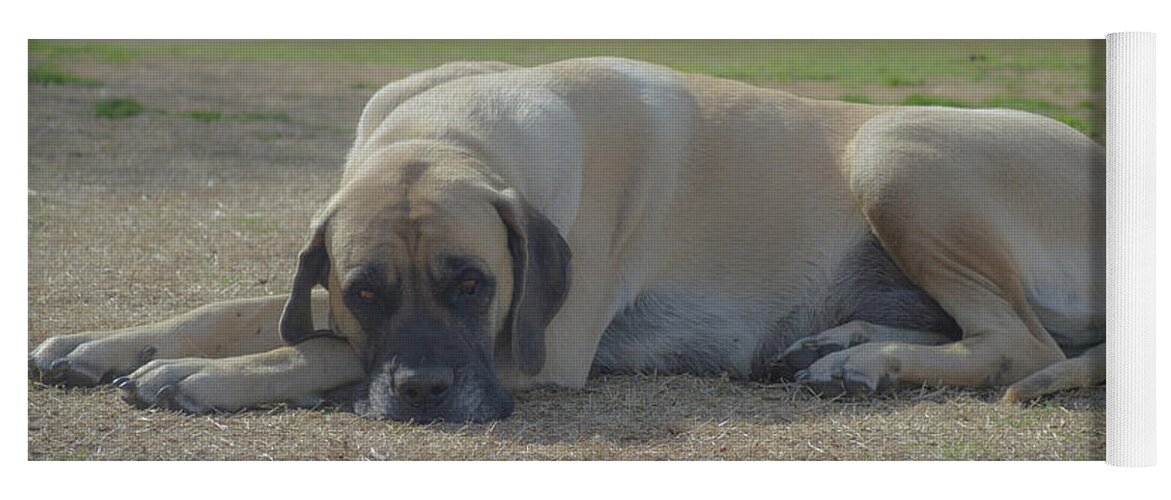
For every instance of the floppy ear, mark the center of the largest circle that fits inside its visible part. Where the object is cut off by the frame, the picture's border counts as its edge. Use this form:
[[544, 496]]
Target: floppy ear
[[296, 322], [540, 277]]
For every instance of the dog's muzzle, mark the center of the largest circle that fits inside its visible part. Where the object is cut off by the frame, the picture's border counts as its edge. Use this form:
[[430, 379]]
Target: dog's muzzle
[[430, 393]]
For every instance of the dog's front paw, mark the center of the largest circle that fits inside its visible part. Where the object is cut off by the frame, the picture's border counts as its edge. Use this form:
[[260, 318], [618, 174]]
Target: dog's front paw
[[195, 385], [858, 371], [86, 359]]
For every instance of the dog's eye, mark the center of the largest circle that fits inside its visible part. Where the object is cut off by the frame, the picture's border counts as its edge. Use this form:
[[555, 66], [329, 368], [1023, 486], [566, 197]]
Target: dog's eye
[[469, 286], [368, 296]]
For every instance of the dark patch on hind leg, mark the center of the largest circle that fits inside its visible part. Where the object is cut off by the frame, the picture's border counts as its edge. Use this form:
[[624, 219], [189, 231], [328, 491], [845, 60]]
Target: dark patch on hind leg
[[885, 296]]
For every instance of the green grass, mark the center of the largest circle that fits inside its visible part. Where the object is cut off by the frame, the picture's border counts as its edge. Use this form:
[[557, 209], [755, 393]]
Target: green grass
[[1022, 103], [117, 108], [860, 99], [48, 74], [203, 116], [211, 115], [261, 117], [1062, 65], [1081, 124], [104, 51], [930, 100], [902, 81], [861, 62]]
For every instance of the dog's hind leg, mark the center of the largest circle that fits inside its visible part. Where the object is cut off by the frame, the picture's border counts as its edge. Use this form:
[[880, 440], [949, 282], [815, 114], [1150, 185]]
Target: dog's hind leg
[[1086, 370], [219, 330], [982, 210], [998, 348], [960, 257]]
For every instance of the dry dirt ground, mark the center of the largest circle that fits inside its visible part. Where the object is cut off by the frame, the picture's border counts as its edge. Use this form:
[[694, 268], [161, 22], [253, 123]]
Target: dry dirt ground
[[137, 219]]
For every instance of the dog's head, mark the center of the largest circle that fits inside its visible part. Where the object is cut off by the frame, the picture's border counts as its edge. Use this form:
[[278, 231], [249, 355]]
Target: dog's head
[[440, 277]]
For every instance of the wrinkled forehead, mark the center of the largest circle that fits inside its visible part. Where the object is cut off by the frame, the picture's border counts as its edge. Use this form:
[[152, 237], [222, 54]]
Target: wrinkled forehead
[[421, 226]]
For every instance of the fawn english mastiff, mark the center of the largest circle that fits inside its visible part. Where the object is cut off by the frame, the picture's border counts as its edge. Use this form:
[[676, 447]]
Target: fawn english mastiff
[[499, 227]]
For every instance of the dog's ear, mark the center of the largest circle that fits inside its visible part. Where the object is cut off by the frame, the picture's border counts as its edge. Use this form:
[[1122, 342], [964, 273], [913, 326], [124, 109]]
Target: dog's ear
[[312, 269], [541, 276]]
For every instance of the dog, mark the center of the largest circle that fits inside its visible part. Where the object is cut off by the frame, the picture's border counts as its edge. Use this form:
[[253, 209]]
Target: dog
[[498, 228]]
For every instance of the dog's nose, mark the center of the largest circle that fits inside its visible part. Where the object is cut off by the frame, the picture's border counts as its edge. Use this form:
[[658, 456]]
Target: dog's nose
[[423, 387]]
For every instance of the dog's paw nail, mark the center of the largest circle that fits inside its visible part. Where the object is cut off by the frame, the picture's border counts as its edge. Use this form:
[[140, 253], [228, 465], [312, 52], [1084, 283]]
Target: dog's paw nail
[[166, 393], [59, 366], [802, 376], [128, 390], [56, 372]]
